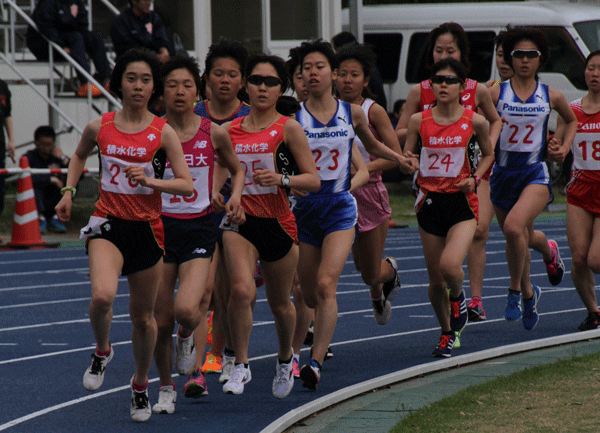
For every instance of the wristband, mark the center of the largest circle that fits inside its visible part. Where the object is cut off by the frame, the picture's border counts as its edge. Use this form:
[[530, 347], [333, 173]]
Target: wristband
[[477, 179], [69, 188]]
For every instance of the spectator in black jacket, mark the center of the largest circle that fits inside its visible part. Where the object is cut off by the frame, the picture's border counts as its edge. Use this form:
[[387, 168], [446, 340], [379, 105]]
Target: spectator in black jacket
[[65, 22], [46, 187], [5, 123], [139, 27]]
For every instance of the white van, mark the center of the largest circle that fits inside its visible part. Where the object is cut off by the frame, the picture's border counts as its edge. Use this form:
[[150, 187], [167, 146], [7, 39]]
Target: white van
[[399, 35]]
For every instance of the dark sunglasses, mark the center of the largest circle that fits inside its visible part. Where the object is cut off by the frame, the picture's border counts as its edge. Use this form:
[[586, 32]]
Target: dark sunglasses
[[269, 81], [530, 54], [448, 79]]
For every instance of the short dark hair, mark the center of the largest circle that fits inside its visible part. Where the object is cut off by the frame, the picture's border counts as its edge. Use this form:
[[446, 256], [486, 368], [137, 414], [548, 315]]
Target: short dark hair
[[518, 34], [398, 105], [462, 42], [590, 56], [450, 63], [131, 56], [182, 62], [226, 48], [359, 52], [341, 39], [293, 62], [44, 131], [318, 46], [275, 61]]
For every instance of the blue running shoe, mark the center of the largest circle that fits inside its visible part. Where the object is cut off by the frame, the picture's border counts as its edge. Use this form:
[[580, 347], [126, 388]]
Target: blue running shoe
[[458, 312], [444, 347], [43, 225], [57, 226], [530, 314], [513, 306]]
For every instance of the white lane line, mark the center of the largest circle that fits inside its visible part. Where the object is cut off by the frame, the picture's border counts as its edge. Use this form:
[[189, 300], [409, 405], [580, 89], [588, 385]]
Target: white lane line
[[57, 259], [51, 286], [52, 271]]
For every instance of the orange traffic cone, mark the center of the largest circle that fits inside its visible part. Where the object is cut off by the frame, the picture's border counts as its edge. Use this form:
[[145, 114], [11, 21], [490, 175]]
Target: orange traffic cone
[[26, 227]]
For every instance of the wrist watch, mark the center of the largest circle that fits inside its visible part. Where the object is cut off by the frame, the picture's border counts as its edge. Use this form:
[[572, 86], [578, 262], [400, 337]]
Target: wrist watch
[[285, 180], [477, 179]]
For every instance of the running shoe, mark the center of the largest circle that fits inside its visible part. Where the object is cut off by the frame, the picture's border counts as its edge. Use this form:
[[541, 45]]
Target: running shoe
[[227, 369], [444, 347], [308, 340], [166, 400], [475, 311], [94, 375], [530, 314], [456, 339], [57, 226], [391, 288], [212, 364], [513, 306], [258, 278], [284, 379], [82, 92], [592, 321], [209, 336], [43, 225], [140, 405], [458, 313], [185, 354], [310, 374], [328, 354], [239, 377], [382, 310], [196, 385], [296, 367], [556, 268]]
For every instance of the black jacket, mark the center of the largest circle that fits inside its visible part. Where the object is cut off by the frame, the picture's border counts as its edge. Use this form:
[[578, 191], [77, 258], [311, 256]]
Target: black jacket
[[129, 31], [54, 17]]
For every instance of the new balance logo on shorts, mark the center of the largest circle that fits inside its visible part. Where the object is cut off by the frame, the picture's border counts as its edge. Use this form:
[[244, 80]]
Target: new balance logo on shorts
[[199, 251]]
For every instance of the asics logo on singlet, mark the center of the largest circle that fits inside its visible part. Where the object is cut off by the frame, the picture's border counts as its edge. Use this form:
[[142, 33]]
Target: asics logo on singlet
[[151, 137], [465, 97], [326, 134], [200, 144], [589, 126], [524, 108]]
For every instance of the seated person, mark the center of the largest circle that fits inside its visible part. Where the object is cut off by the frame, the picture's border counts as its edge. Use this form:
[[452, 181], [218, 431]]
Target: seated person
[[139, 27], [65, 22], [47, 186]]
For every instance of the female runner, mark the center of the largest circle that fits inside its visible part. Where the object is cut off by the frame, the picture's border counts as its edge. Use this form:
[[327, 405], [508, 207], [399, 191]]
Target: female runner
[[326, 219], [269, 233], [125, 233], [447, 204], [583, 191], [190, 232], [449, 40], [520, 183], [224, 77], [374, 212]]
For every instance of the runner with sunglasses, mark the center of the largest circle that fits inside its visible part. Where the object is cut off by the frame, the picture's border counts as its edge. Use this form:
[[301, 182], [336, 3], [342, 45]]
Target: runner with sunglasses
[[583, 191], [449, 40], [447, 204], [520, 183], [374, 212], [326, 219], [269, 233]]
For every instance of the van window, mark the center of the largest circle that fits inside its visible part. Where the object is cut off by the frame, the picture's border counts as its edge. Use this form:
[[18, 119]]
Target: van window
[[481, 56], [590, 33], [387, 46], [563, 56]]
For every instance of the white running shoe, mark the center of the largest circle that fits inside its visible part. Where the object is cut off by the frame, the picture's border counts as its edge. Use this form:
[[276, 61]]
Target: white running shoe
[[185, 354], [228, 366], [382, 310], [166, 400], [140, 405], [94, 375], [240, 377], [284, 379], [392, 288]]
